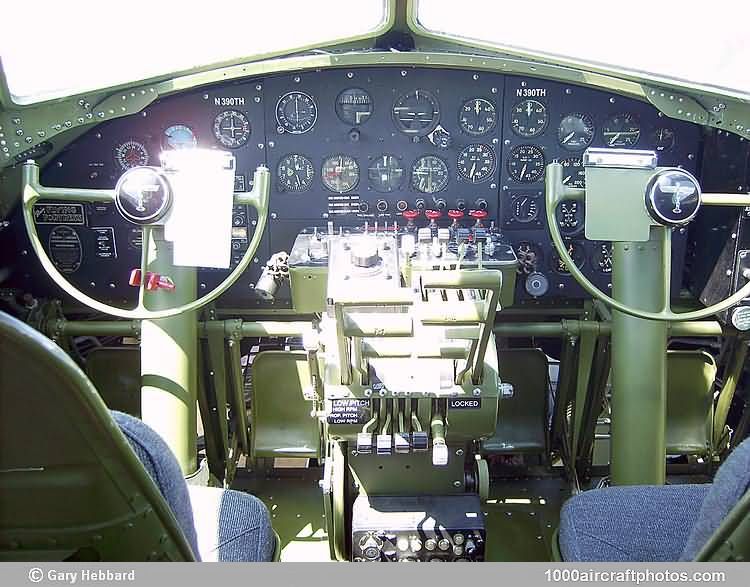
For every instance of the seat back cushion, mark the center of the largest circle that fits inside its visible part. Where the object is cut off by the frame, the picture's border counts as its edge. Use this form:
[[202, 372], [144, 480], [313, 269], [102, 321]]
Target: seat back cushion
[[731, 482]]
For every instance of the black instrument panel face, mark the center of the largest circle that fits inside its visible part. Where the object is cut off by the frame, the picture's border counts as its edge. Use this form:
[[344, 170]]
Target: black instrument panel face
[[366, 145]]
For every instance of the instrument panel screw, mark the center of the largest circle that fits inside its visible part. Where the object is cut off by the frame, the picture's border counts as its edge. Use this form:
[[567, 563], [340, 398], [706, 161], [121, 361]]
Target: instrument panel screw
[[612, 100], [368, 392], [205, 96], [403, 73], [350, 74], [456, 484], [477, 391], [256, 99], [475, 77], [494, 90], [460, 452], [297, 79]]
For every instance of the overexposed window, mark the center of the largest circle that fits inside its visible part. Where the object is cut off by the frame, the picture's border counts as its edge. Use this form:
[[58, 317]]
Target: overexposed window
[[704, 43], [54, 48]]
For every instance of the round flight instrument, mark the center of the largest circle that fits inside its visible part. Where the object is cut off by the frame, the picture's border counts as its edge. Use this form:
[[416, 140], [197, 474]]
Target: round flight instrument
[[526, 163], [143, 195], [354, 106], [574, 173], [576, 131], [231, 128], [621, 130], [340, 173], [429, 174], [179, 136], [576, 252], [570, 217], [525, 207], [663, 139], [476, 163], [478, 116], [131, 154], [295, 173], [416, 113], [529, 118], [296, 113], [385, 173], [602, 257]]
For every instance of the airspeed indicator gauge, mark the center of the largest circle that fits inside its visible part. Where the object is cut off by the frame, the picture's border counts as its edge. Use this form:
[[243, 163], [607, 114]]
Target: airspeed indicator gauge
[[231, 128], [529, 118], [296, 113], [574, 173]]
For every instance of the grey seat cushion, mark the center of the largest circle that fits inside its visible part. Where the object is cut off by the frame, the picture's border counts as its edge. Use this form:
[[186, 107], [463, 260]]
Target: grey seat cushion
[[219, 524], [639, 523], [232, 526]]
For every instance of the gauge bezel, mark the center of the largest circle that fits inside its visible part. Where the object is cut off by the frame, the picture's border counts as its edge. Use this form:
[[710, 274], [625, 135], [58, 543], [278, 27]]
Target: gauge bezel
[[338, 156], [512, 156], [583, 169], [158, 175], [580, 214], [526, 221], [588, 121], [579, 246], [653, 207], [444, 166], [133, 141], [435, 114], [283, 186], [608, 121], [338, 113], [541, 129], [283, 126], [461, 124], [181, 125], [400, 180], [234, 143], [463, 155]]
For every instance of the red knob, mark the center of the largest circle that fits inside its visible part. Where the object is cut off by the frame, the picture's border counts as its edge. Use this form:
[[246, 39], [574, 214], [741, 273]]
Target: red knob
[[478, 214], [135, 278], [455, 214], [410, 214], [433, 214]]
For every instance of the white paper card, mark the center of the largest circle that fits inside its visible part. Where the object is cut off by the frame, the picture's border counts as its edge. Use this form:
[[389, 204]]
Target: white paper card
[[200, 222]]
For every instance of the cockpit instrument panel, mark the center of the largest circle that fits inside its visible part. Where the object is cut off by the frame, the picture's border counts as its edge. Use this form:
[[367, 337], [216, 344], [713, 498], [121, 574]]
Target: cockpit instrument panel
[[377, 145]]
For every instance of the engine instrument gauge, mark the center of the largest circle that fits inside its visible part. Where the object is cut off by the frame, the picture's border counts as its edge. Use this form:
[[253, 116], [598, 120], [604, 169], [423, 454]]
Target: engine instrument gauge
[[576, 131], [477, 117], [340, 173], [354, 106], [526, 163], [476, 163], [576, 252], [621, 130], [574, 173], [529, 118], [232, 128], [131, 154], [663, 139], [386, 173], [296, 113], [429, 174], [525, 208], [295, 173], [416, 113], [602, 257], [570, 217], [179, 136]]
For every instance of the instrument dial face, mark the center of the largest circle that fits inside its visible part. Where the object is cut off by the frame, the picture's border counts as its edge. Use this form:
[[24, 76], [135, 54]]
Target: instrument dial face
[[478, 116], [386, 173], [476, 163], [296, 113], [295, 173], [576, 131], [621, 130], [179, 136], [529, 118], [131, 154], [429, 174], [570, 217], [525, 208], [354, 106], [232, 128], [416, 113], [663, 139], [142, 195], [576, 252], [526, 163], [602, 257], [340, 173], [574, 174]]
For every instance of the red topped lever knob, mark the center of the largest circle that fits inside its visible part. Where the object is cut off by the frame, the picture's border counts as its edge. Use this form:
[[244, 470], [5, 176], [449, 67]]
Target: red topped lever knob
[[433, 214], [410, 215], [478, 214], [455, 214]]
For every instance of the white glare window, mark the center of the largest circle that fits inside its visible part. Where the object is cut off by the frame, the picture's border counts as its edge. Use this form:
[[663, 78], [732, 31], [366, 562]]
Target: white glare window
[[61, 48], [701, 43]]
